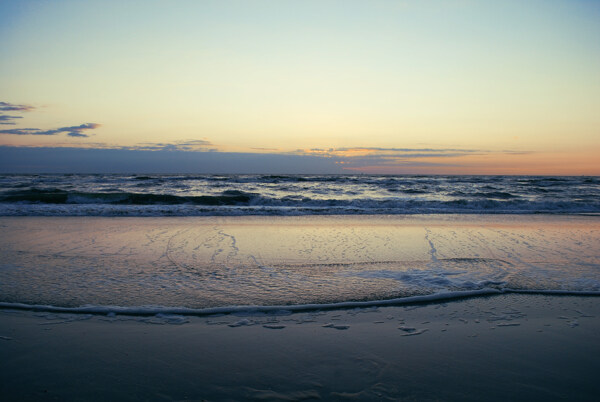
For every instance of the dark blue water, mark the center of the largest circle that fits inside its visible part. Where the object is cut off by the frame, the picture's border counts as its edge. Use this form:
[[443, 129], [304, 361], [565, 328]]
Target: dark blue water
[[222, 195]]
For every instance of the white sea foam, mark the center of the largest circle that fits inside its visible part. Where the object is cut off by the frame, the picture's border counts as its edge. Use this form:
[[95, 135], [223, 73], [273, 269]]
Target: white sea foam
[[177, 314], [235, 195]]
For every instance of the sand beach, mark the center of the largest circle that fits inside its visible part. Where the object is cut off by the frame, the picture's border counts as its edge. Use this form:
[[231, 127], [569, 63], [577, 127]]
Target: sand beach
[[266, 200], [417, 308], [497, 348]]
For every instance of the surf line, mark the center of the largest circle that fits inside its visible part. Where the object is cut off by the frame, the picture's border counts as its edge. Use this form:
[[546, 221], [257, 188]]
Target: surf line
[[285, 309]]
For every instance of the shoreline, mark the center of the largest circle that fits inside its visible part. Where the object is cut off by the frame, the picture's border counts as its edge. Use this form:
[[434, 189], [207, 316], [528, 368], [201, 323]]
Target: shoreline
[[510, 346], [517, 345], [436, 298]]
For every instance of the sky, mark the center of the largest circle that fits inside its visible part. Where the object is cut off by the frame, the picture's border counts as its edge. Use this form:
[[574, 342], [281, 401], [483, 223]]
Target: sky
[[277, 86]]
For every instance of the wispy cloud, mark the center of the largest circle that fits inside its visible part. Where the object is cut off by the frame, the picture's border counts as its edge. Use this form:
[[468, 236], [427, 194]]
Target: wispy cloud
[[182, 145], [509, 152], [378, 152], [366, 158], [71, 131], [8, 120], [262, 149], [185, 145], [11, 107], [389, 160]]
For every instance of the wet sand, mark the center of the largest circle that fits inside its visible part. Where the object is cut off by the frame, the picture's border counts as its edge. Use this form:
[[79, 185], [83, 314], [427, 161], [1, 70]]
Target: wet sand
[[497, 348]]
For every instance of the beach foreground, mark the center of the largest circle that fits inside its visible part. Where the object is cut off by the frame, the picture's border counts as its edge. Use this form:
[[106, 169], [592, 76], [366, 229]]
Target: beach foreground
[[505, 347], [459, 307]]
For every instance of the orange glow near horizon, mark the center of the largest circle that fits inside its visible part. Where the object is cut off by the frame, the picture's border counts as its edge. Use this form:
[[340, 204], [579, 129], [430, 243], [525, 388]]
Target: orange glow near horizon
[[580, 164], [378, 87]]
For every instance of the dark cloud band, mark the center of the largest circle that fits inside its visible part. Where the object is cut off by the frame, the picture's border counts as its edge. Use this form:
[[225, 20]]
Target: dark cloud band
[[71, 131]]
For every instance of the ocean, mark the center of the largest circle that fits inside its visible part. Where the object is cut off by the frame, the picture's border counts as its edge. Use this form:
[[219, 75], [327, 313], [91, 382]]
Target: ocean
[[201, 244], [234, 195]]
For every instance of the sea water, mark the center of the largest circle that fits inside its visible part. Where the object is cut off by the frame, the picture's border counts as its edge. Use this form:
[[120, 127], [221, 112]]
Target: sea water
[[207, 244], [218, 195]]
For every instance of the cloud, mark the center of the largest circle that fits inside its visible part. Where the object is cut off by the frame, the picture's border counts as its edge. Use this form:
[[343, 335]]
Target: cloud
[[21, 131], [395, 160], [262, 149], [6, 119], [179, 157], [389, 154], [359, 157], [379, 149], [11, 107], [195, 142], [185, 145], [94, 160], [76, 131], [71, 131], [508, 152], [190, 146]]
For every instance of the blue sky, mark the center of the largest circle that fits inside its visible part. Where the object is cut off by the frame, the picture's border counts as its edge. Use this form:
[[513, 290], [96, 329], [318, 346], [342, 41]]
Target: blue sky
[[359, 86]]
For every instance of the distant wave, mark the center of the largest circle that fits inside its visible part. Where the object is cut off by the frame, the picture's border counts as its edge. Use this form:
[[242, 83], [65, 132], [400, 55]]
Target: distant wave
[[121, 204], [221, 195], [55, 196]]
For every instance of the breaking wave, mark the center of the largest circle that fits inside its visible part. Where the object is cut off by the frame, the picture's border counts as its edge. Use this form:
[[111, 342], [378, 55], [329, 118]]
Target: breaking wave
[[194, 195]]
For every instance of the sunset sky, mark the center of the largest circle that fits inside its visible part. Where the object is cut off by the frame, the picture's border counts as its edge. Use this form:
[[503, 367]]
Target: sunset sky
[[445, 87]]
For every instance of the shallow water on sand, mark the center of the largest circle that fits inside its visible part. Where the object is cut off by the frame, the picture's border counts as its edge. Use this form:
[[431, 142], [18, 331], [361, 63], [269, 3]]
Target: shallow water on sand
[[204, 262]]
